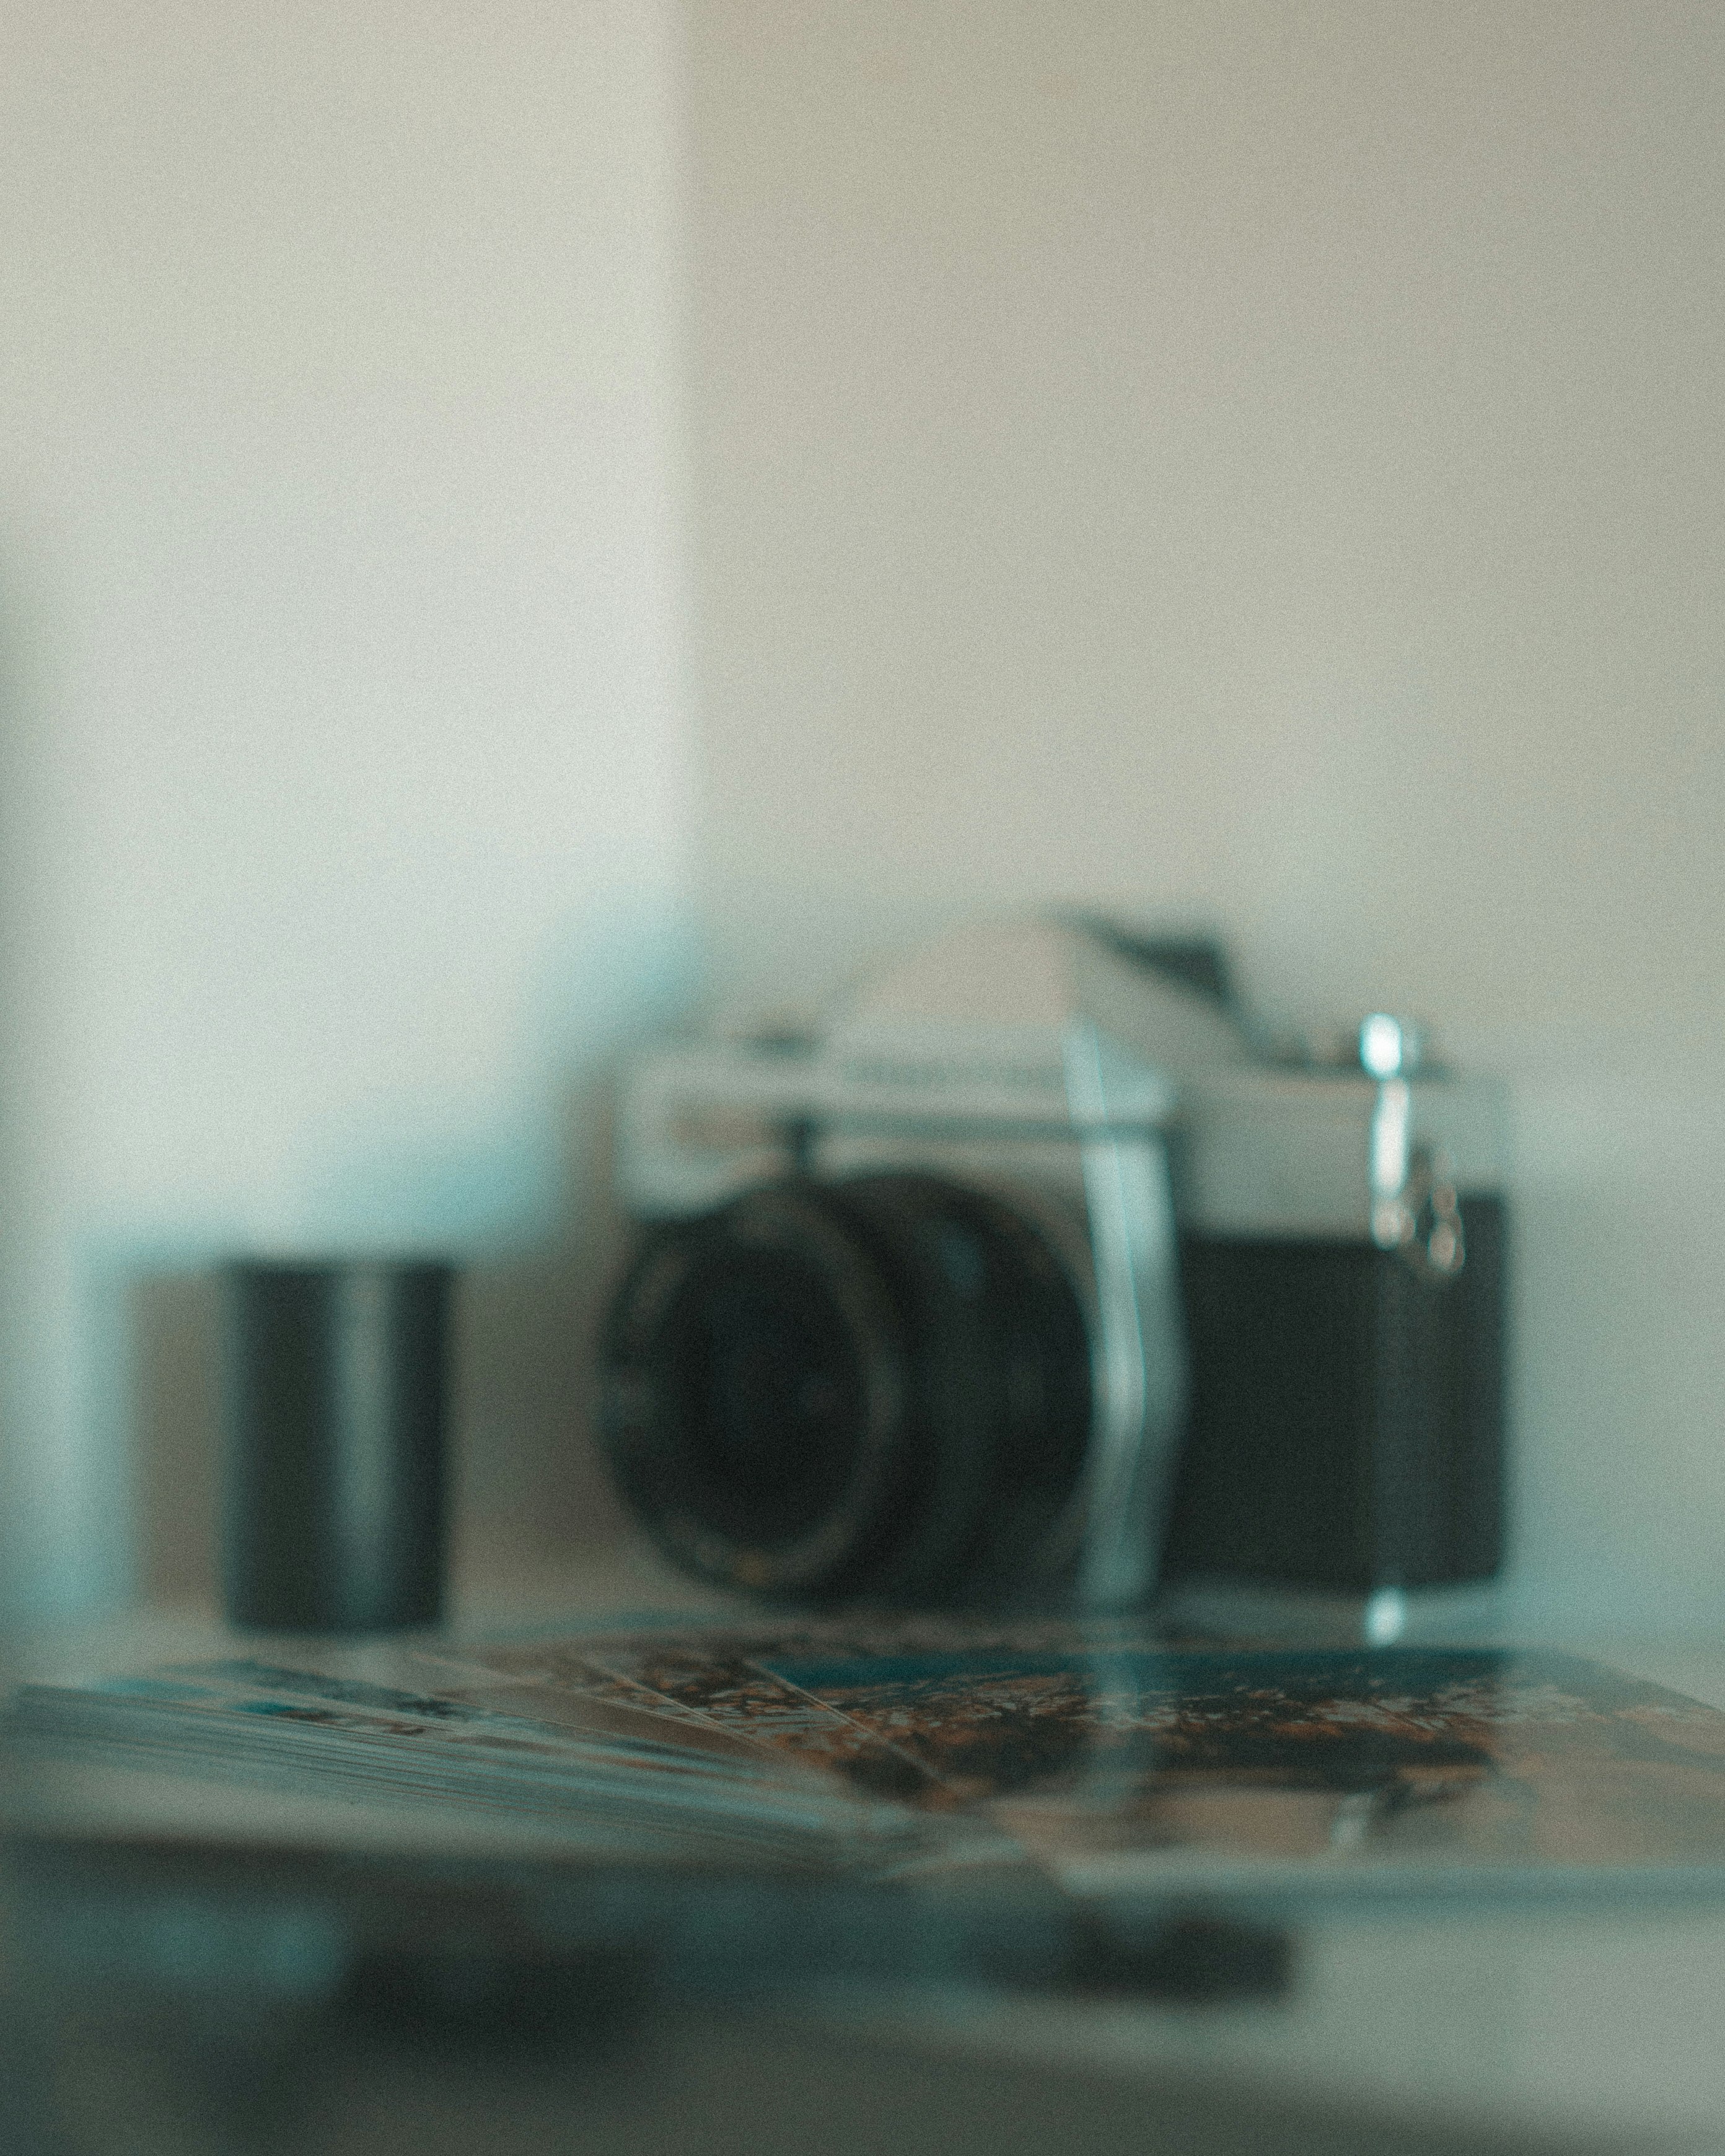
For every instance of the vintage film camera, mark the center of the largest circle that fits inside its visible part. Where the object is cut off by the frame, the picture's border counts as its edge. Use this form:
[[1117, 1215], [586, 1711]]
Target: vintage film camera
[[1035, 1278]]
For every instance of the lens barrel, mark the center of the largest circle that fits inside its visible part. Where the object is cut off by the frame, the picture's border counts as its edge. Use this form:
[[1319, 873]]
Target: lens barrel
[[874, 1390]]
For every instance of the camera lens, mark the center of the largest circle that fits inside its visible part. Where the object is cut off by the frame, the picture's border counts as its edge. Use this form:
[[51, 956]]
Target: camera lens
[[878, 1388], [754, 1373], [766, 1386]]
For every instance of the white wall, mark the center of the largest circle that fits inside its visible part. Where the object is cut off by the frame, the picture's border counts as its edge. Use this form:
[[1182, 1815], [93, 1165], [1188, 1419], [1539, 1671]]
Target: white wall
[[1254, 461], [341, 817], [1264, 462]]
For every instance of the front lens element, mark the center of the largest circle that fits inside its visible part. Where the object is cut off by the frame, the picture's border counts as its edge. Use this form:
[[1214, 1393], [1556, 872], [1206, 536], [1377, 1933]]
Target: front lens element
[[753, 1391], [764, 1387], [875, 1388]]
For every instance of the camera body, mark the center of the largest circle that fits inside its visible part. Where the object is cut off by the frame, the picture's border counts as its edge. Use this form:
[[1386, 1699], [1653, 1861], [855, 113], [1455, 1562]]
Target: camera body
[[1034, 1277]]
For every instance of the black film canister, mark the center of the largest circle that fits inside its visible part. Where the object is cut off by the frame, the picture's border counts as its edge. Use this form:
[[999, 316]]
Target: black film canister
[[333, 1408]]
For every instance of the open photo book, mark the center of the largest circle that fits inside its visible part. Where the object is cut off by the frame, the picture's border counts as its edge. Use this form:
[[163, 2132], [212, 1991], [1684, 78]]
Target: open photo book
[[1109, 1760]]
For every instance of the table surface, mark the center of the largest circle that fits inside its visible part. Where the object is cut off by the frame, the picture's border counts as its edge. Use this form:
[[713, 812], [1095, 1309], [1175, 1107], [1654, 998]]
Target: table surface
[[1564, 2027]]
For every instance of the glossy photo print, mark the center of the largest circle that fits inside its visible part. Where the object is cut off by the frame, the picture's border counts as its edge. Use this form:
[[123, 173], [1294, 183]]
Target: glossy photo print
[[1116, 1761]]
